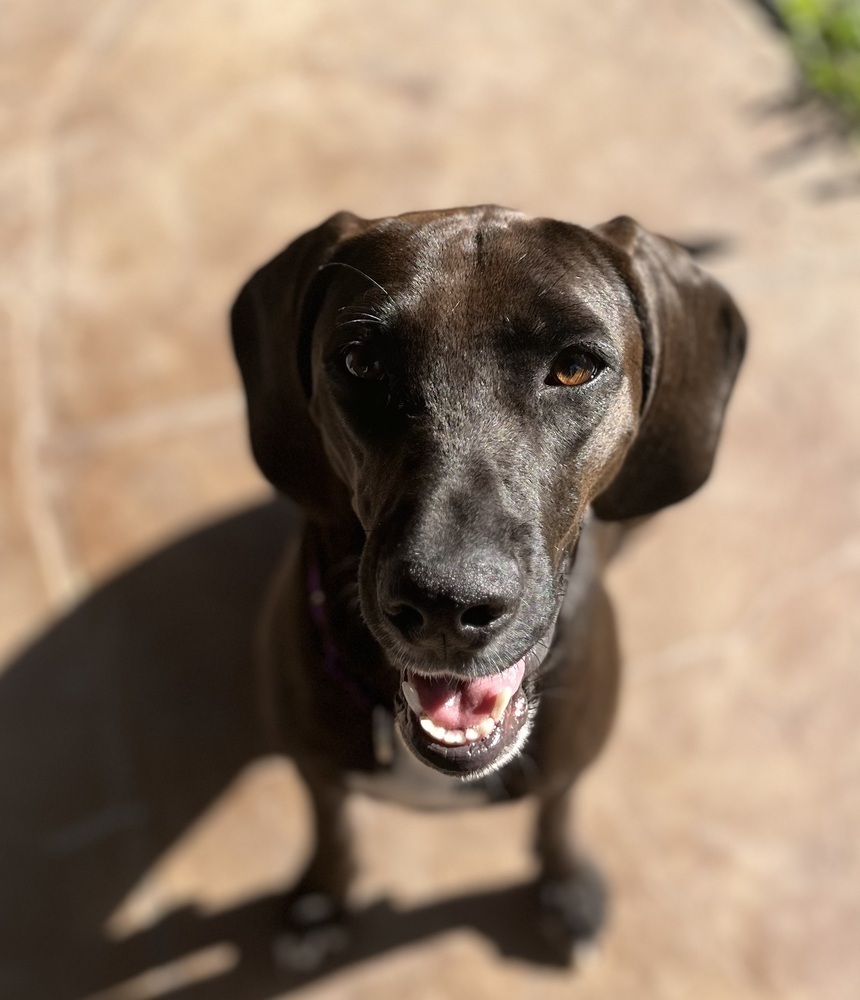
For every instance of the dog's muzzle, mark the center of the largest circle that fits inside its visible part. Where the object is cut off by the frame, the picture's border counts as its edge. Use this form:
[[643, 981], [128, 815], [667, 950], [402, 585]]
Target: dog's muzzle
[[469, 728]]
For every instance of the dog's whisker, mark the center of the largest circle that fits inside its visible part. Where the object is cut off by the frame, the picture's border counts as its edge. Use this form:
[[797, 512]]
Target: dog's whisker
[[357, 321], [357, 270], [351, 315], [546, 291]]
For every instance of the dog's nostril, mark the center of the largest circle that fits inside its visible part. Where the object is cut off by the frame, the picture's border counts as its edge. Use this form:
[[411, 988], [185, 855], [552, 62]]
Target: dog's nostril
[[405, 618], [481, 615]]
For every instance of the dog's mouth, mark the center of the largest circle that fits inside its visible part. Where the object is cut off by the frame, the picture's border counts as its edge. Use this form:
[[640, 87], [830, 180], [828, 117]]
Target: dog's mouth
[[469, 727]]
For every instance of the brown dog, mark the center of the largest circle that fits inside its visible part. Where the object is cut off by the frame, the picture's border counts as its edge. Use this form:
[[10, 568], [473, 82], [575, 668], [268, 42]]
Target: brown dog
[[468, 405]]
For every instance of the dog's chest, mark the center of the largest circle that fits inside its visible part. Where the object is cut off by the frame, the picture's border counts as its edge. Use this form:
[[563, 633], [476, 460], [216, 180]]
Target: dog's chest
[[403, 779]]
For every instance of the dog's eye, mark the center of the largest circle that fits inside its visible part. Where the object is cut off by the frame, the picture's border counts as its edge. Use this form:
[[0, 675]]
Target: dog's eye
[[361, 360], [573, 367]]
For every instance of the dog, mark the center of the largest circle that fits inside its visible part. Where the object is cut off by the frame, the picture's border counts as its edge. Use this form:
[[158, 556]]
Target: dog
[[472, 407]]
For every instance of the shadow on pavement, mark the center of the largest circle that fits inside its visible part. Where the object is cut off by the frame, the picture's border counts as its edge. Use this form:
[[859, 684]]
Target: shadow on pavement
[[117, 729]]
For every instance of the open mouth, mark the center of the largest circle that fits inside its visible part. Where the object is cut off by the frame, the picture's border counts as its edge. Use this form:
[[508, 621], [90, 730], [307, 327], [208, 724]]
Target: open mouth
[[468, 728]]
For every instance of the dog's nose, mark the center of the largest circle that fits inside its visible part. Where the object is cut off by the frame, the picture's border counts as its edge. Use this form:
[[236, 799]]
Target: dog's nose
[[442, 606]]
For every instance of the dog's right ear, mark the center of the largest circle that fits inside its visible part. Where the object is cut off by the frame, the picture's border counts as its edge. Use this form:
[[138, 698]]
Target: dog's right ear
[[270, 323]]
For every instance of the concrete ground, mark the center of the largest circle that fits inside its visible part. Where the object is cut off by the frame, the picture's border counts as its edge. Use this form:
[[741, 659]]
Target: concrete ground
[[153, 154]]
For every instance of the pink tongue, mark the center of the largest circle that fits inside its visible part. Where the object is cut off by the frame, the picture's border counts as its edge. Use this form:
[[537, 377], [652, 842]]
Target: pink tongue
[[455, 704]]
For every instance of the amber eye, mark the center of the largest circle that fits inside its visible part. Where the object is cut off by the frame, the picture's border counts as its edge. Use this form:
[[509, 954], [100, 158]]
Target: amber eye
[[573, 367], [361, 360]]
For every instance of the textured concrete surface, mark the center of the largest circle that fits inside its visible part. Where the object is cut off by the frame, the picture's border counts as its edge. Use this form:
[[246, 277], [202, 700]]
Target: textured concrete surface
[[153, 154]]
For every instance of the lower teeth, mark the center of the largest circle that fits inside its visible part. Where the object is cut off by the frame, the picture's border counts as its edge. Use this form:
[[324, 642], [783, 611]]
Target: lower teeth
[[457, 737]]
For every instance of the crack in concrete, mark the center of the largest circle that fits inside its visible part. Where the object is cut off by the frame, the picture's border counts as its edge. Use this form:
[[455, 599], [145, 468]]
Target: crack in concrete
[[38, 490]]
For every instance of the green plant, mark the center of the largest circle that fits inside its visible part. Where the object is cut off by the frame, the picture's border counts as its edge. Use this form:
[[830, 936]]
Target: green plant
[[825, 37]]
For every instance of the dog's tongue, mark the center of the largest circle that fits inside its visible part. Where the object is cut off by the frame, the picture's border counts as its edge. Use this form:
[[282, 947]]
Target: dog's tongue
[[460, 705]]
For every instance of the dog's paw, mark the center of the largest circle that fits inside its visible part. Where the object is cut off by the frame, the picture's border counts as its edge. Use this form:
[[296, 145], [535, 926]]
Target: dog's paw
[[573, 912], [315, 933]]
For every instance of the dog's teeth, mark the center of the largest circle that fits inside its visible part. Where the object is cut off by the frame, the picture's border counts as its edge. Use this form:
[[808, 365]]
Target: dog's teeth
[[430, 727], [412, 699], [486, 727], [457, 737], [502, 699], [453, 737]]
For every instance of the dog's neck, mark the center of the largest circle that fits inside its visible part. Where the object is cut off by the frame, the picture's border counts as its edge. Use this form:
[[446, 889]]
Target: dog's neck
[[351, 657], [318, 604]]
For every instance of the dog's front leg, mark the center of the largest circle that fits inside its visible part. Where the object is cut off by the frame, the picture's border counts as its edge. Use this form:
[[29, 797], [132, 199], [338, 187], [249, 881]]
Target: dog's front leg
[[576, 717], [571, 893], [315, 909]]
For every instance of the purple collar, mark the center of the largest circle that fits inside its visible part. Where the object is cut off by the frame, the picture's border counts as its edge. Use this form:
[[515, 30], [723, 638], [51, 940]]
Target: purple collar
[[318, 605], [382, 730]]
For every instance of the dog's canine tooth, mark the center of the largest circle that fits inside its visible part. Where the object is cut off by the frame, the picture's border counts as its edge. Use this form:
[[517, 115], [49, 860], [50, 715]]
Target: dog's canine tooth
[[502, 699], [486, 727], [412, 699]]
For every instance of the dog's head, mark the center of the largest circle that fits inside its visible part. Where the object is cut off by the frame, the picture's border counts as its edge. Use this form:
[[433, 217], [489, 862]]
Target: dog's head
[[470, 382]]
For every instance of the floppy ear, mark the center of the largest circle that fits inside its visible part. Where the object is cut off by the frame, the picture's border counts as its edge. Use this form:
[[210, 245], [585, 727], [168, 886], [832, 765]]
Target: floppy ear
[[267, 322], [694, 343]]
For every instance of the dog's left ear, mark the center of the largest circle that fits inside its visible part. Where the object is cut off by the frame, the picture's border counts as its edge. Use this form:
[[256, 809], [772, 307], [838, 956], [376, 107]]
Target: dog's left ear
[[694, 343]]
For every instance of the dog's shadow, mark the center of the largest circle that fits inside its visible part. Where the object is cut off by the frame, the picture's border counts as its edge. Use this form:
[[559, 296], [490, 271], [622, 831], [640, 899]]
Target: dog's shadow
[[117, 729]]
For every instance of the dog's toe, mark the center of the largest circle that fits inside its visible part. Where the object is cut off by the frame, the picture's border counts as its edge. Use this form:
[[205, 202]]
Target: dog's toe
[[573, 912], [315, 933], [307, 951]]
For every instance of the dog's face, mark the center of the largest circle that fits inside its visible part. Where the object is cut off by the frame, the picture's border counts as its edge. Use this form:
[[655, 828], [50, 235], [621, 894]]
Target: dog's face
[[474, 402], [475, 380]]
